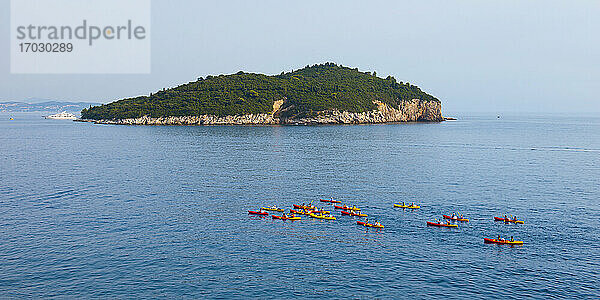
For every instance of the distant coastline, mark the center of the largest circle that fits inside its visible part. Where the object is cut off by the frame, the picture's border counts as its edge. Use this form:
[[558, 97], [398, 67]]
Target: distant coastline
[[45, 107]]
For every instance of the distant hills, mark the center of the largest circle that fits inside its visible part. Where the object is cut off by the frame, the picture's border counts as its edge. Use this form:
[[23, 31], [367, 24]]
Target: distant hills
[[46, 106]]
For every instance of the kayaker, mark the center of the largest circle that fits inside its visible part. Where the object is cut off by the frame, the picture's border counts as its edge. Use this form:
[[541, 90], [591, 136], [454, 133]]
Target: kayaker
[[499, 239], [514, 218], [511, 239]]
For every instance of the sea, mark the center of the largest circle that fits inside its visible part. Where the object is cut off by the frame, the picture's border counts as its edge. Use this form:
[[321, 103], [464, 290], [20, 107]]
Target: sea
[[119, 212]]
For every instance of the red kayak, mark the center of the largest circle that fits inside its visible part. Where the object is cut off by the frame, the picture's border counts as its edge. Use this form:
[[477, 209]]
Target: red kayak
[[369, 224], [455, 218], [507, 220], [330, 201], [344, 207], [260, 213], [441, 224], [345, 213]]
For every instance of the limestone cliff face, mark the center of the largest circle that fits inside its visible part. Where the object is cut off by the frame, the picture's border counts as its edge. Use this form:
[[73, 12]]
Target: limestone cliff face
[[408, 111]]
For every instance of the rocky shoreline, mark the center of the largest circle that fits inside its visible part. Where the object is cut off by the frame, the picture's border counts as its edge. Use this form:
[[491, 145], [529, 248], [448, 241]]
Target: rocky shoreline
[[408, 111]]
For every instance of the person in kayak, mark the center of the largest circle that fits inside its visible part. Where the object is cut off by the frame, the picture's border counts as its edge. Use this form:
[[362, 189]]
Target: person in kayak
[[511, 239], [515, 218], [505, 218], [499, 238]]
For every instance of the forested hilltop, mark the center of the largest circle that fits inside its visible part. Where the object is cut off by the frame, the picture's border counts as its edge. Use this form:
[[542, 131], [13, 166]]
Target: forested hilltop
[[305, 93]]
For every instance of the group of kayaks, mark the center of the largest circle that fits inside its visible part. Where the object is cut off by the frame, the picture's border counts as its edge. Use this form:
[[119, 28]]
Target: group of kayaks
[[353, 211], [460, 218], [315, 212]]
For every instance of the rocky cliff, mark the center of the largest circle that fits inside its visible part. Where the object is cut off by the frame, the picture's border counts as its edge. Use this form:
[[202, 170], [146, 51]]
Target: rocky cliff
[[408, 111]]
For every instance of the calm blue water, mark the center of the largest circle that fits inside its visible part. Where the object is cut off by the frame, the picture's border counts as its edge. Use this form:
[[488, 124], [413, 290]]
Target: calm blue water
[[117, 211]]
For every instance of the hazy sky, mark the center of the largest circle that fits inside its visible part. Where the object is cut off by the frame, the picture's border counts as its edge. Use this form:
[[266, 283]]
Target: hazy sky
[[476, 56]]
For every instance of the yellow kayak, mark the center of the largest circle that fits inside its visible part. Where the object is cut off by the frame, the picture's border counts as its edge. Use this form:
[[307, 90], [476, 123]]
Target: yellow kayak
[[406, 206], [273, 208], [322, 217], [507, 242]]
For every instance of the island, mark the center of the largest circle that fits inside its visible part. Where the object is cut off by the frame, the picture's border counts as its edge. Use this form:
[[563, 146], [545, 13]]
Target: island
[[320, 94]]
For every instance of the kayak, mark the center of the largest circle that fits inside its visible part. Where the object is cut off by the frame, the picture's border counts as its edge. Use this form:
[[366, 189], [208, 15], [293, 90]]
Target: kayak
[[369, 224], [274, 208], [304, 207], [330, 201], [358, 214], [374, 225], [457, 218], [507, 220], [503, 242], [324, 212], [441, 224], [261, 213], [346, 207], [322, 217], [406, 206], [299, 212], [285, 218], [353, 214]]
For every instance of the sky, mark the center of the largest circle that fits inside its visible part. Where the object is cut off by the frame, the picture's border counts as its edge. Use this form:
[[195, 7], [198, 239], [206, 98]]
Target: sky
[[475, 56]]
